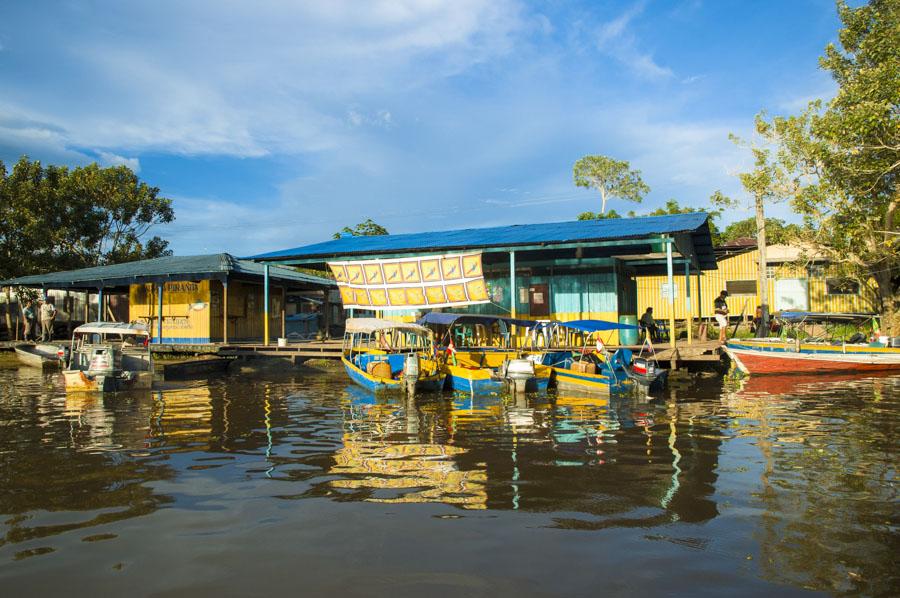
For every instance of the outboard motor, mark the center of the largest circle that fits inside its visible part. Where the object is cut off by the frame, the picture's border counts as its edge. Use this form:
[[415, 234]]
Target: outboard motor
[[411, 373], [518, 373]]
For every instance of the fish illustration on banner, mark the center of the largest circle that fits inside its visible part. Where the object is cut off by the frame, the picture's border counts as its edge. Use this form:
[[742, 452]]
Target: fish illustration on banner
[[413, 282]]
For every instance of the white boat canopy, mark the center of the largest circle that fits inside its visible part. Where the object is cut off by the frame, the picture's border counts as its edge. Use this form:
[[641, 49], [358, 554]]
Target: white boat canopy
[[370, 325], [113, 328]]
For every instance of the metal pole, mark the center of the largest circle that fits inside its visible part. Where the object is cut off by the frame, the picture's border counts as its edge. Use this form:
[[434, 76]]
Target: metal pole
[[100, 304], [283, 312], [266, 304], [159, 323], [689, 316], [225, 311], [670, 276], [512, 295]]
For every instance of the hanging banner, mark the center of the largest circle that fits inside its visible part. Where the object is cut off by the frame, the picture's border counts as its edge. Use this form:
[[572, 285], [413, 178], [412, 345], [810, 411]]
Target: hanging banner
[[411, 282]]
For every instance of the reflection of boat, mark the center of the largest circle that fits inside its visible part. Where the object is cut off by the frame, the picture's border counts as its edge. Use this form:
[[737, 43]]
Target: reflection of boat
[[384, 355], [486, 370], [785, 384], [814, 354], [598, 371], [109, 356], [39, 356]]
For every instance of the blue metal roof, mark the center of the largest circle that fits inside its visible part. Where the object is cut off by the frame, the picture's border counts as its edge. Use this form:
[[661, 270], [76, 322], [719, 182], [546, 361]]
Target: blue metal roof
[[550, 233], [168, 268]]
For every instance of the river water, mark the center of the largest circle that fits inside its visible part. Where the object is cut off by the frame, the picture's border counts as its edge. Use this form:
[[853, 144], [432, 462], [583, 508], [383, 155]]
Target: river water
[[299, 483]]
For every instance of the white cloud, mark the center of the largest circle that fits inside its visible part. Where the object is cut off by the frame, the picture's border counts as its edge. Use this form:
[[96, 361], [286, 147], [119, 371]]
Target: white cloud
[[617, 39], [110, 159]]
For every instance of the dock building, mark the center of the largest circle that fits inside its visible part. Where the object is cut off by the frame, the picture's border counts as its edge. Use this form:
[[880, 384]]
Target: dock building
[[191, 299], [548, 271]]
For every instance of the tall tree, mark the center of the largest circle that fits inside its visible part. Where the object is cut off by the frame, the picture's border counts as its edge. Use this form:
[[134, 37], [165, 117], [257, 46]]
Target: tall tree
[[845, 154], [612, 178], [777, 230], [369, 228]]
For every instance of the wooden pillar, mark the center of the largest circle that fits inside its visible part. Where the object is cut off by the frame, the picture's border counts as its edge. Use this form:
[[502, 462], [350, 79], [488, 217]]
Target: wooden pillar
[[159, 322], [266, 304], [512, 297], [689, 306], [283, 311], [87, 306], [225, 311], [100, 304], [326, 316], [670, 276]]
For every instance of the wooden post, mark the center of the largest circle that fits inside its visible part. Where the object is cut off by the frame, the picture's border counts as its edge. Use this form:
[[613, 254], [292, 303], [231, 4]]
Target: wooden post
[[87, 306], [159, 323], [283, 311], [100, 304], [326, 316], [512, 297], [689, 316], [265, 304], [670, 277], [225, 311], [701, 329]]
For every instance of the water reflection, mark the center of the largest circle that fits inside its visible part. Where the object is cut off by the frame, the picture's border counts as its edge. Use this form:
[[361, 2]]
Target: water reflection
[[790, 481]]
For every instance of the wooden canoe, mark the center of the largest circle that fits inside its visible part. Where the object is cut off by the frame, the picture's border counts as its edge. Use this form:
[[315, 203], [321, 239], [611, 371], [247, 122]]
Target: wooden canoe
[[38, 356]]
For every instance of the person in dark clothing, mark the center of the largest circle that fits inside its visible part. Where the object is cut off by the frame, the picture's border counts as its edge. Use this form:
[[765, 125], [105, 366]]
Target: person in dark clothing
[[720, 307], [649, 324]]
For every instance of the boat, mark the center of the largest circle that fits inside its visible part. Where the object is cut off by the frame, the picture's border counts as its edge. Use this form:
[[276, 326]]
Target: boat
[[484, 364], [596, 370], [40, 356], [383, 355], [109, 357], [814, 343]]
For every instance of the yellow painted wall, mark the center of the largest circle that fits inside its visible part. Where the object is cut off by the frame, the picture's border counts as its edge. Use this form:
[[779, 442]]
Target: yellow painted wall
[[186, 310], [245, 304], [738, 267]]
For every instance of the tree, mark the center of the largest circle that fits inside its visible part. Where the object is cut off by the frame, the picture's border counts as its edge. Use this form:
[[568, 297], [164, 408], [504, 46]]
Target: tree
[[369, 228], [777, 231], [612, 178], [672, 207], [766, 182], [845, 155], [53, 219], [600, 215]]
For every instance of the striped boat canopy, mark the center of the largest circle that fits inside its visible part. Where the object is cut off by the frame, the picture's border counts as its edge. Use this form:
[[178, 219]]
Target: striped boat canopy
[[596, 325], [370, 325]]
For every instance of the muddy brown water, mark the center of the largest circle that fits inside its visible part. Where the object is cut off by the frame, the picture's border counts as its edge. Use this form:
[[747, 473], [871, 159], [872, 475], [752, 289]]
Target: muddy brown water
[[297, 482]]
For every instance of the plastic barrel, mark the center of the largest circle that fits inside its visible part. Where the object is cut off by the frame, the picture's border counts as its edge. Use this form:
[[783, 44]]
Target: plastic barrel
[[629, 337]]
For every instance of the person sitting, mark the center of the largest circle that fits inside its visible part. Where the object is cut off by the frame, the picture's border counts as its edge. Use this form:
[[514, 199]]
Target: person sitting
[[649, 324]]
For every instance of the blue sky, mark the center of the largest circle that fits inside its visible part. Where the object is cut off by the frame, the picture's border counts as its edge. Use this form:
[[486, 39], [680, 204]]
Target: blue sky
[[273, 124]]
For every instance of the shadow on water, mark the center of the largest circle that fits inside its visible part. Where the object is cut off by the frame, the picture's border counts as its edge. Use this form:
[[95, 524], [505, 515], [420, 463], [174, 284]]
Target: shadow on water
[[782, 481]]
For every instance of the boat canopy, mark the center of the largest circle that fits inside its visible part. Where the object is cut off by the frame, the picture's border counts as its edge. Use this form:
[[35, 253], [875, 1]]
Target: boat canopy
[[113, 328], [814, 317], [445, 319], [597, 325], [370, 325]]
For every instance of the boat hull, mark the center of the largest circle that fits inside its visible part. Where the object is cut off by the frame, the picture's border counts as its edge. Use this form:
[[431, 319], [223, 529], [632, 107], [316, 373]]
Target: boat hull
[[34, 357], [432, 383], [568, 380], [483, 381], [784, 358], [81, 381]]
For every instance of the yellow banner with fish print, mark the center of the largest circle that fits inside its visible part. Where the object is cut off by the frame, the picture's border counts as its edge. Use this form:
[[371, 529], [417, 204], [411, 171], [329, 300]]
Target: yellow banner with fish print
[[411, 282]]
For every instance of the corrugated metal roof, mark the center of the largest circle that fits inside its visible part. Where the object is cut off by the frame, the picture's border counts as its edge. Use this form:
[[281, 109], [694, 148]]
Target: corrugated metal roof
[[216, 265], [549, 233]]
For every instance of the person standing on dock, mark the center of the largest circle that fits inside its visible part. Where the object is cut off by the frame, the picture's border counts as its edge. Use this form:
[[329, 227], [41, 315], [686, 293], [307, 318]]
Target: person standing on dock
[[28, 320], [48, 318], [721, 310]]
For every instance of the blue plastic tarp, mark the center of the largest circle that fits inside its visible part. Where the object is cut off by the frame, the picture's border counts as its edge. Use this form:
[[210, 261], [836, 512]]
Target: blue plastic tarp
[[798, 316], [445, 319], [596, 325]]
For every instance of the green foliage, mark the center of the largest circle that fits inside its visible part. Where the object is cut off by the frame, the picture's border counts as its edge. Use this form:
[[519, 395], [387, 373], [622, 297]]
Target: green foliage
[[600, 215], [369, 228], [612, 178], [52, 218], [844, 154], [777, 231]]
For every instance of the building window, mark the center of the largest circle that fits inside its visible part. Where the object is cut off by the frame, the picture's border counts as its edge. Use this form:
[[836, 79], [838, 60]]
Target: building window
[[815, 270], [740, 287], [841, 286], [770, 271]]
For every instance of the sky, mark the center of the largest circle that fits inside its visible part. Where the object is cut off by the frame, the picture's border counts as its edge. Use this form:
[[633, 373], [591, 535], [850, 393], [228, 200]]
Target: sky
[[273, 124]]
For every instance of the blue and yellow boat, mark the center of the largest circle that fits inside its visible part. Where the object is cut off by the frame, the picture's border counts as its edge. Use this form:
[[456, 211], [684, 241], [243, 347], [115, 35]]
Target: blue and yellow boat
[[382, 355], [479, 360], [595, 370]]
